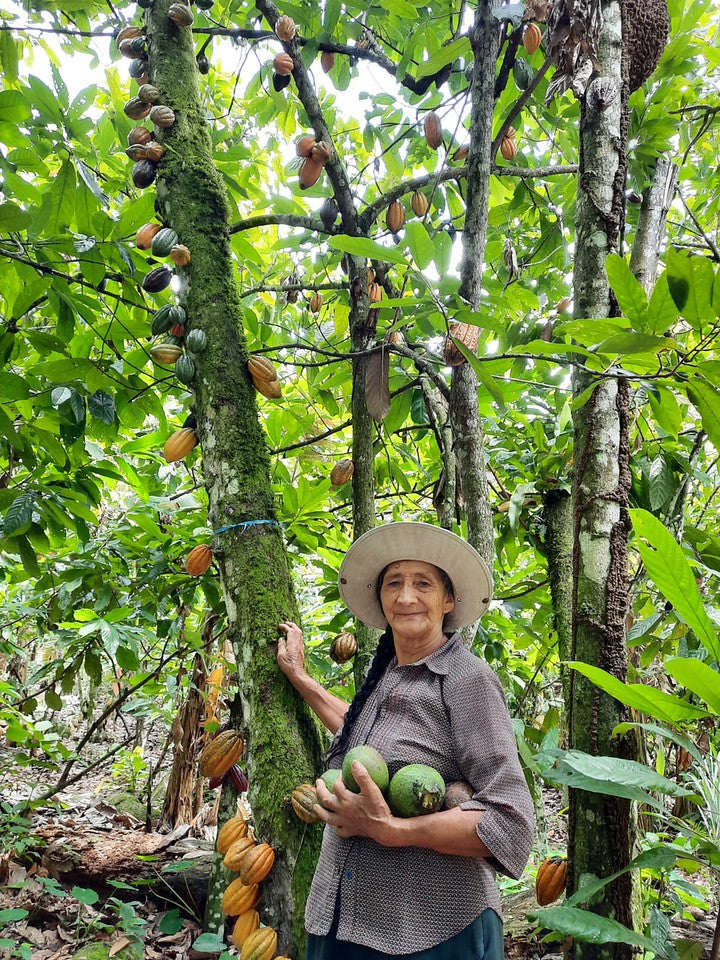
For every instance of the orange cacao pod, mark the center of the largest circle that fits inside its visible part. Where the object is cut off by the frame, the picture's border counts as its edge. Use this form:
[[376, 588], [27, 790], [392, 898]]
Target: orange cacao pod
[[180, 255], [321, 152], [433, 130], [532, 37], [136, 109], [285, 29], [327, 60], [245, 924], [154, 151], [139, 135], [239, 897], [550, 880], [508, 148], [315, 302], [341, 472], [236, 851], [419, 204], [221, 753], [232, 830], [260, 945], [303, 148], [144, 236], [162, 116], [256, 863], [466, 333], [375, 293], [343, 648], [302, 799], [198, 560], [261, 369], [309, 173], [395, 216], [179, 444], [283, 64], [269, 388]]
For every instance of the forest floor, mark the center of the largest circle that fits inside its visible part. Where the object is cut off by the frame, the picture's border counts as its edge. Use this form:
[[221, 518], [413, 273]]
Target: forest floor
[[92, 884]]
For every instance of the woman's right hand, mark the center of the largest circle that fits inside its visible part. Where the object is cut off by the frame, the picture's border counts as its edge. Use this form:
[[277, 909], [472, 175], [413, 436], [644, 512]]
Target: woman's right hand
[[291, 651]]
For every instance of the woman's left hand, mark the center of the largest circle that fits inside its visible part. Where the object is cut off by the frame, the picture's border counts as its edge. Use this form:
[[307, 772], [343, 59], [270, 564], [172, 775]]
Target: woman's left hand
[[364, 814]]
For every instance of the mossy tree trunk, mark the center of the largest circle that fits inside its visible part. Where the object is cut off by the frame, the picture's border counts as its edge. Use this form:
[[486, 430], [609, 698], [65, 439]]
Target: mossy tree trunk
[[282, 743], [601, 835]]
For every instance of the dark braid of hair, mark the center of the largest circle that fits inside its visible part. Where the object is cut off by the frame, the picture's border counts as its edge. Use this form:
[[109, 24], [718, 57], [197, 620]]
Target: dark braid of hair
[[383, 655]]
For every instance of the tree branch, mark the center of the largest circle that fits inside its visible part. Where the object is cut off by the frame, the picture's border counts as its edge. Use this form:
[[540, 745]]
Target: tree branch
[[280, 219]]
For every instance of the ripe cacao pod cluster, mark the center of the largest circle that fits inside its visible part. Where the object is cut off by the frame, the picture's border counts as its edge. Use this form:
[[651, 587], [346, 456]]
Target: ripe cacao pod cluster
[[264, 377]]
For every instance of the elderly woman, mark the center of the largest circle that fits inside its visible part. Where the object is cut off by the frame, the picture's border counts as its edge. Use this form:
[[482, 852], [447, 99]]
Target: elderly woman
[[422, 888]]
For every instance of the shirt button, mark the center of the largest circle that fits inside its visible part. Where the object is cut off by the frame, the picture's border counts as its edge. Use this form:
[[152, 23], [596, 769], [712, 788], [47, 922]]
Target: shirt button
[[348, 874]]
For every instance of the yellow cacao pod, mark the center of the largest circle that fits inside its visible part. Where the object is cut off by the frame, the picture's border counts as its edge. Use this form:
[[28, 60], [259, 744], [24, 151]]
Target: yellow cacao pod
[[260, 945], [261, 369], [550, 880], [532, 37], [239, 897], [236, 851], [302, 800], [375, 293], [179, 444], [221, 753], [180, 255], [395, 216], [419, 204], [269, 388], [433, 130], [245, 924], [256, 863], [341, 472], [233, 829], [508, 148], [198, 560], [167, 353], [315, 302], [343, 648]]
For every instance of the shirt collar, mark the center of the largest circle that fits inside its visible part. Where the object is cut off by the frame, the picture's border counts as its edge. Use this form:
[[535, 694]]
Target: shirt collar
[[439, 660]]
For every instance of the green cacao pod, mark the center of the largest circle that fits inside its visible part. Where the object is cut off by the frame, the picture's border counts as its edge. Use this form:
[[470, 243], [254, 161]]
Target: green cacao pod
[[185, 369], [196, 341], [523, 73], [137, 68], [163, 242], [166, 317]]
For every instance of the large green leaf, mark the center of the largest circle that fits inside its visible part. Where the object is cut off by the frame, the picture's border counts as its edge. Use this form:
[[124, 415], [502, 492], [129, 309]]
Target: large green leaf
[[698, 677], [588, 927], [365, 247], [672, 575], [707, 401], [630, 295]]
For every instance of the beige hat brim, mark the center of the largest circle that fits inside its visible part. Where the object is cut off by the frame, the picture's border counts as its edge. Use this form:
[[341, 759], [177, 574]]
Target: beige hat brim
[[412, 540]]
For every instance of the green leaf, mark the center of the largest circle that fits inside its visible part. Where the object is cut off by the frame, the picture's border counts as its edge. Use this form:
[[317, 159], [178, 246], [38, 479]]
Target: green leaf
[[672, 575], [53, 700], [420, 243], [62, 199], [648, 700], [441, 58], [13, 217], [666, 409], [699, 678], [630, 343], [84, 895], [9, 56], [707, 401], [612, 776], [102, 406], [28, 556], [171, 922], [19, 513], [364, 247], [209, 943], [588, 927], [12, 914], [14, 106], [662, 311], [331, 15], [630, 295]]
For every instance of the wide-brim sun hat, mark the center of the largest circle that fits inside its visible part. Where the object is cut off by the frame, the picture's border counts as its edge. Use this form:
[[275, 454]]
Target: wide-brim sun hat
[[411, 540]]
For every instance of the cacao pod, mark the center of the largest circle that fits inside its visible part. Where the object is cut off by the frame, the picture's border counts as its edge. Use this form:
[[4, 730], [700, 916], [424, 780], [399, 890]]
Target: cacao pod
[[139, 135], [285, 29], [315, 302], [327, 60], [303, 148], [154, 151], [204, 4], [371, 276], [466, 333], [196, 341], [162, 116], [166, 353], [196, 563], [238, 778], [239, 897], [158, 279], [283, 64], [375, 293], [137, 69], [177, 332], [508, 148], [395, 216], [461, 153], [550, 880], [343, 648], [302, 800], [235, 852], [148, 93], [510, 134], [532, 37], [145, 4], [179, 444], [221, 753], [144, 236], [261, 369], [342, 472], [166, 318], [522, 74], [163, 242], [136, 151], [260, 945], [180, 255], [233, 829], [136, 109], [126, 48], [180, 14], [245, 924], [185, 369], [309, 173], [143, 173], [433, 130], [269, 388], [321, 152], [203, 64], [256, 863], [419, 204], [280, 82], [126, 33], [138, 47]]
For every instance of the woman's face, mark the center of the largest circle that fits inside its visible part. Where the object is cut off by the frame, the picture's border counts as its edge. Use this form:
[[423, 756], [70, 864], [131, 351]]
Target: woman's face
[[414, 599]]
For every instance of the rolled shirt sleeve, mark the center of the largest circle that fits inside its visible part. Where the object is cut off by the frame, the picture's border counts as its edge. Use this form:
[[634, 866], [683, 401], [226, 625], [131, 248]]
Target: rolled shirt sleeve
[[486, 751]]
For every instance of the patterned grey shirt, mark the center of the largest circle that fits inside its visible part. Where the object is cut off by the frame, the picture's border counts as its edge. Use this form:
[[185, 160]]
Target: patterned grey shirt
[[448, 711]]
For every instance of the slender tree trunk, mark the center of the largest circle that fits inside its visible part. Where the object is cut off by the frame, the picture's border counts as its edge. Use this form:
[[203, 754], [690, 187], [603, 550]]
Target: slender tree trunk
[[650, 232], [557, 513], [600, 827], [282, 742]]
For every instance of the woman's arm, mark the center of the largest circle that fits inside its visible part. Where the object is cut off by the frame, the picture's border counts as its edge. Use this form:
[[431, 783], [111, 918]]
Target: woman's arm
[[366, 814], [291, 660]]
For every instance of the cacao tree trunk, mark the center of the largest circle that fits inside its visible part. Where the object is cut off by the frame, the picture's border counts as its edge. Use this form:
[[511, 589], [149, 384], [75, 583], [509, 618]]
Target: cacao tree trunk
[[282, 742], [600, 827]]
